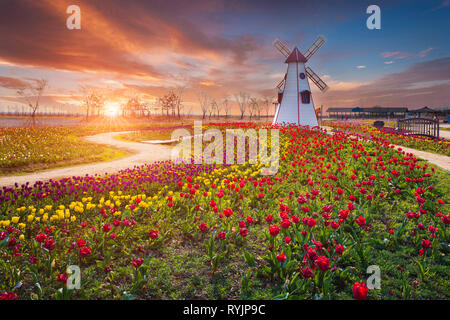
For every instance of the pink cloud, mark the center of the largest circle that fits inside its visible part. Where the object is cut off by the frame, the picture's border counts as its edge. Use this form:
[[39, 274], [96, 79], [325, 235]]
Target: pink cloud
[[424, 83], [403, 54], [424, 53]]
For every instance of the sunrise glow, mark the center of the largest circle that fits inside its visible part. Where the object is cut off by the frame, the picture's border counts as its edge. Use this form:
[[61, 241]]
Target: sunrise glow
[[112, 109]]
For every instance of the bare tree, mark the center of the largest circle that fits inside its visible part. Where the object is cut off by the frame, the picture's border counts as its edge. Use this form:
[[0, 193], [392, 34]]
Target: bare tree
[[211, 107], [135, 106], [93, 100], [32, 93], [98, 103], [226, 106], [242, 101], [179, 101], [168, 102], [250, 108], [266, 103], [259, 108], [253, 107], [214, 108], [203, 99]]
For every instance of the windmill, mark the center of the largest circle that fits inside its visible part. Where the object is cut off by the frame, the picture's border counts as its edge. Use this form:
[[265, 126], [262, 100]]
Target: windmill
[[295, 103]]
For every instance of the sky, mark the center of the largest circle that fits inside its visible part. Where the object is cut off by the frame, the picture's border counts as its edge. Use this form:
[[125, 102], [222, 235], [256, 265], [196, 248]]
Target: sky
[[222, 47]]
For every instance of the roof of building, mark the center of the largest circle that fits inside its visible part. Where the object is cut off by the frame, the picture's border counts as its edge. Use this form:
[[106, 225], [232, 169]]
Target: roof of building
[[424, 110], [339, 109], [373, 109], [382, 110], [296, 56]]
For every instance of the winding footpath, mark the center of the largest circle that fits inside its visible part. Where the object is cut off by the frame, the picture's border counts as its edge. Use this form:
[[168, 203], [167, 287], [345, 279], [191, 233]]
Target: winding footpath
[[148, 152], [144, 153]]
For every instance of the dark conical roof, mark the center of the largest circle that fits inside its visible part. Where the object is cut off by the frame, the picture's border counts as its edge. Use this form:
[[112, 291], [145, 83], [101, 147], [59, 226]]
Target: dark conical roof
[[296, 56]]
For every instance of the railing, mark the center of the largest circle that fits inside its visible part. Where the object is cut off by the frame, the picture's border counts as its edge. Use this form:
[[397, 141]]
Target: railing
[[419, 127]]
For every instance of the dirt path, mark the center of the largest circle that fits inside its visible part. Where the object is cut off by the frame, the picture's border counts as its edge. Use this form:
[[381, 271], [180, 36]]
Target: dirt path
[[145, 153], [444, 134], [437, 159]]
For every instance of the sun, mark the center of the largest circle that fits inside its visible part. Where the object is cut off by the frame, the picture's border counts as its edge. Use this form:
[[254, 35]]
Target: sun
[[112, 109]]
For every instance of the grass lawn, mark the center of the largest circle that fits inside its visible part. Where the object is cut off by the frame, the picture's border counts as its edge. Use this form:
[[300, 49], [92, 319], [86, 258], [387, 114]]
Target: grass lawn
[[24, 150], [100, 153], [150, 134]]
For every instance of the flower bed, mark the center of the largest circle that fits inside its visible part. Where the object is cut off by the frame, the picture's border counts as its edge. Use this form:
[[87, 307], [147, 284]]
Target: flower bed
[[337, 205]]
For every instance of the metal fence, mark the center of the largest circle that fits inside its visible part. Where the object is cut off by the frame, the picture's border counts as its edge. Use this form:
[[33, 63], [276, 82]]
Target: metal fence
[[419, 127]]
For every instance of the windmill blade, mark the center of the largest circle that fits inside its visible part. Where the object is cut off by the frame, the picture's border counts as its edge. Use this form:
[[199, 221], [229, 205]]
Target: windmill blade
[[281, 84], [315, 46], [316, 79], [282, 47]]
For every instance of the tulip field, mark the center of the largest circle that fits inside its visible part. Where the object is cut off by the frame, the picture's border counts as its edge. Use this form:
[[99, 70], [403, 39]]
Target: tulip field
[[338, 205]]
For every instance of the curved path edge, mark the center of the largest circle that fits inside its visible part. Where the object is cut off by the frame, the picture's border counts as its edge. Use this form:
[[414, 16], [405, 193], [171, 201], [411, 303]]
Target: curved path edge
[[144, 153]]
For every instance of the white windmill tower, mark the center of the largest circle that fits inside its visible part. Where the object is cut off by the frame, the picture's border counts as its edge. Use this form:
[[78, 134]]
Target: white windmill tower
[[295, 103]]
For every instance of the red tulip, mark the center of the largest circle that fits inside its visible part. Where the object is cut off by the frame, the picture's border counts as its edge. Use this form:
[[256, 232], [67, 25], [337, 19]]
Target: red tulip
[[281, 257], [360, 221], [153, 234], [360, 291], [323, 263]]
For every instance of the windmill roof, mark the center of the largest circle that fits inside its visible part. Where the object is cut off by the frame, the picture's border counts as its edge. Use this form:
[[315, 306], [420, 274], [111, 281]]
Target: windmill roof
[[296, 56]]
